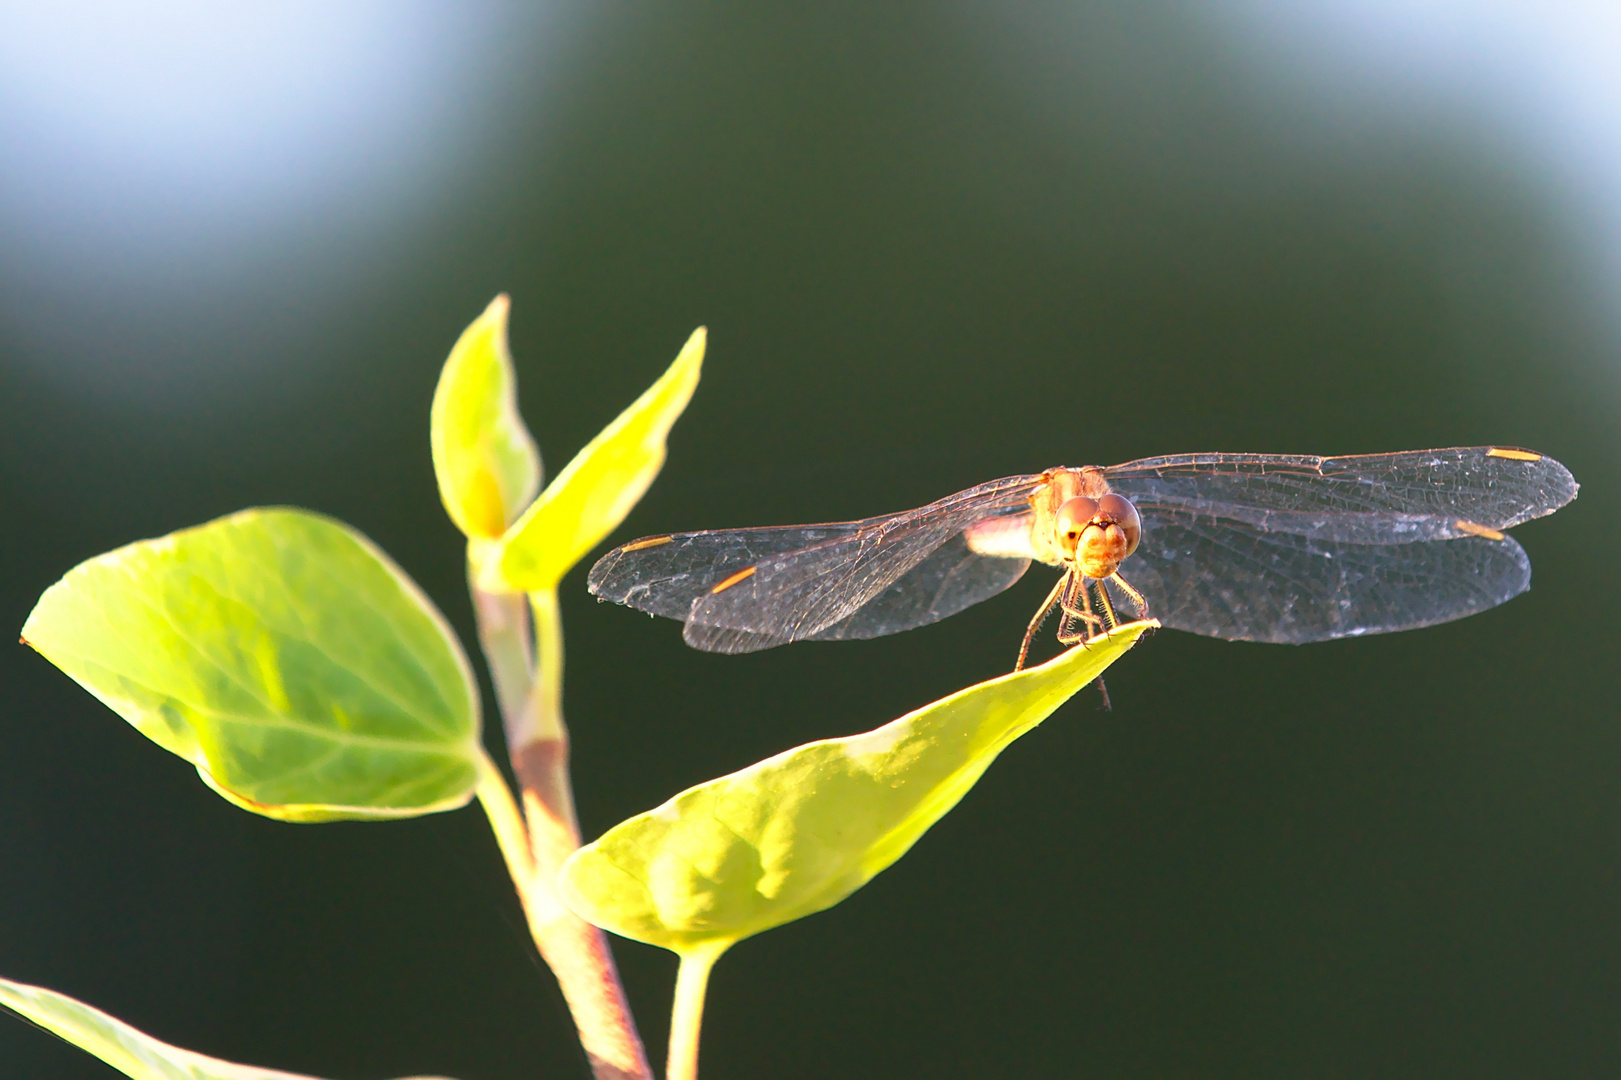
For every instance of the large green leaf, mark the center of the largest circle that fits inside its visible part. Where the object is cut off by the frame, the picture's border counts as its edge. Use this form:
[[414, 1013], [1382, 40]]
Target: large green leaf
[[485, 460], [595, 491], [799, 832], [126, 1049], [302, 672]]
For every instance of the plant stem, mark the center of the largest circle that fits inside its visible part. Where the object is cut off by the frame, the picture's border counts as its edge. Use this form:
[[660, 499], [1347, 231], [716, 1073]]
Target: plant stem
[[503, 634], [687, 1015], [506, 821], [531, 700]]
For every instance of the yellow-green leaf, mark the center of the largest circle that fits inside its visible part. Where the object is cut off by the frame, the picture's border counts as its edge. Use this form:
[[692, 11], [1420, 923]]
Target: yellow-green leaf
[[303, 673], [127, 1049], [799, 832], [592, 495], [484, 457]]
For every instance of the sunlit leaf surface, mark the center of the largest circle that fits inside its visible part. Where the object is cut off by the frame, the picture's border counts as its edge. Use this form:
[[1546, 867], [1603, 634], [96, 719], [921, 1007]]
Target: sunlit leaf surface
[[126, 1049], [484, 457], [799, 832], [280, 652], [592, 495]]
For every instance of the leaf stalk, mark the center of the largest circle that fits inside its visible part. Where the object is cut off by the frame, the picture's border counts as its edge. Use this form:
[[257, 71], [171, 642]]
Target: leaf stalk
[[687, 1014], [506, 821]]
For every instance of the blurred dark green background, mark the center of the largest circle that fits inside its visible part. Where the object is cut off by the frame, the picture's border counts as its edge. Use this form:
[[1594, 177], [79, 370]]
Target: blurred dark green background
[[934, 244]]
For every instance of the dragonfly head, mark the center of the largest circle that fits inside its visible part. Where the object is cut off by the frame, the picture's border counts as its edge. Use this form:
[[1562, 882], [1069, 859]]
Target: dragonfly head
[[1096, 535]]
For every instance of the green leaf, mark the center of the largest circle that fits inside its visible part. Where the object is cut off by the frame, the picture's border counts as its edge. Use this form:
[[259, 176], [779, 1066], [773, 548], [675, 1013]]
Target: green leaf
[[592, 495], [132, 1052], [799, 832], [302, 672], [485, 459]]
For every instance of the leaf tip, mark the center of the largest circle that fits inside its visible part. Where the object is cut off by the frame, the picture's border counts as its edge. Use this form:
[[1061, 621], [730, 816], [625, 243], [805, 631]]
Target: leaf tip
[[697, 344]]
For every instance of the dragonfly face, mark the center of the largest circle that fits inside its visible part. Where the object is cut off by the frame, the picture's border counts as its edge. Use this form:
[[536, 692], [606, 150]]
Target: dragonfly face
[[1096, 535]]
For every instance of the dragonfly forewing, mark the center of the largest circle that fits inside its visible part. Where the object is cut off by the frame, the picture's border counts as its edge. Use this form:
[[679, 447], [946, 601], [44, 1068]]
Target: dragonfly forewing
[[1400, 498], [748, 589], [663, 575]]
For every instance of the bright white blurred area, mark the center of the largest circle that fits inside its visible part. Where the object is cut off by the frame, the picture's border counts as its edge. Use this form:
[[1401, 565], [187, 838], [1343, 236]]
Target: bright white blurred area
[[1541, 81], [160, 153]]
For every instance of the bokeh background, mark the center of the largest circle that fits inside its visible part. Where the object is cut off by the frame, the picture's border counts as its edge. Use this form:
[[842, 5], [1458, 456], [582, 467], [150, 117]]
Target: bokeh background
[[934, 244]]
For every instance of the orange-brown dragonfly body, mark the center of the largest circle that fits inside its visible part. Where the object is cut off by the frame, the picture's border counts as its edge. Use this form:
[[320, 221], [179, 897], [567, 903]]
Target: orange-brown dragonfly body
[[1260, 547]]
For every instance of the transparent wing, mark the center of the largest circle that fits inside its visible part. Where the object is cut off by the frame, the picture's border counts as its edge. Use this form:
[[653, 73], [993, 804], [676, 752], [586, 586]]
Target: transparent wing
[[663, 575], [949, 580], [1373, 499], [746, 589], [1233, 581], [944, 583], [1253, 546]]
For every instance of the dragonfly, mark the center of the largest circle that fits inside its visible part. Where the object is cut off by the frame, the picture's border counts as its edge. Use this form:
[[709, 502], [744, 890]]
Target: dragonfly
[[1246, 547]]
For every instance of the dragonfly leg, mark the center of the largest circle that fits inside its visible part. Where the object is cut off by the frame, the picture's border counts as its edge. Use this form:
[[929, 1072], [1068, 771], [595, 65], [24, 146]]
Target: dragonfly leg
[[1077, 604], [1113, 621], [1071, 595], [1107, 607], [1093, 624], [1135, 596], [1068, 609], [1047, 606]]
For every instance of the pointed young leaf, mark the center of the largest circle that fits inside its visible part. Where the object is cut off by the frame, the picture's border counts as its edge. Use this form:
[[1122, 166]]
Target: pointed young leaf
[[302, 672], [592, 495], [484, 457], [130, 1051], [799, 832]]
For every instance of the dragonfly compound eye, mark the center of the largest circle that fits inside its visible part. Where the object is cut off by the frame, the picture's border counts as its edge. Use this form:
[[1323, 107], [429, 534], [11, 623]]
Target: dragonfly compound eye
[[1118, 508], [1073, 518]]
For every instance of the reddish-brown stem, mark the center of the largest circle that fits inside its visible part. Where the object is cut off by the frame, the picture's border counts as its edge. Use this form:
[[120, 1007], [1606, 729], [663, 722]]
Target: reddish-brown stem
[[529, 688]]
